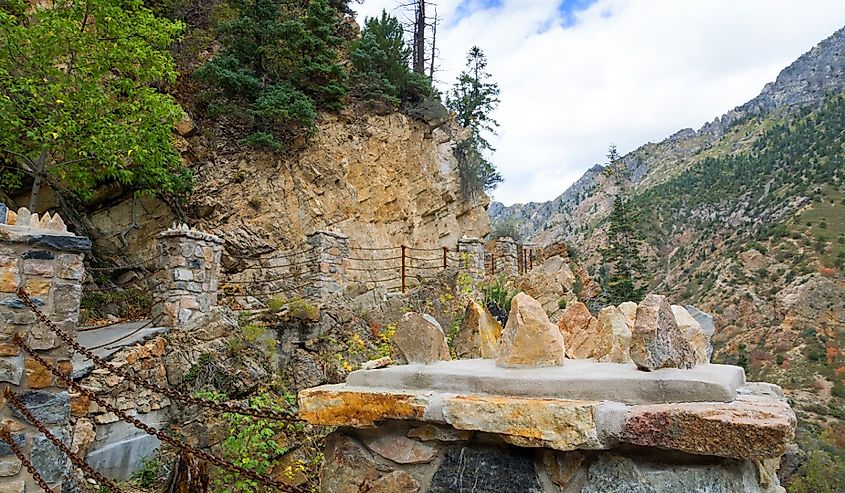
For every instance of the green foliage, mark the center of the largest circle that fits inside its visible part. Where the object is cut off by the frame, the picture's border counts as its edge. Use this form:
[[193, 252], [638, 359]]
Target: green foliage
[[153, 470], [279, 65], [129, 303], [381, 64], [79, 104], [626, 269], [499, 294], [823, 472], [474, 98], [303, 310], [203, 361], [505, 229], [255, 444]]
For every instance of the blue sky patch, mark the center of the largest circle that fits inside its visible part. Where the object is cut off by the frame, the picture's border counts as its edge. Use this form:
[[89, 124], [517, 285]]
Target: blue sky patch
[[467, 7], [569, 8]]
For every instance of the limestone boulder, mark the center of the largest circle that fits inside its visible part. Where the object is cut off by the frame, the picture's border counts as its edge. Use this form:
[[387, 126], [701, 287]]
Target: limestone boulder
[[478, 335], [692, 331], [420, 339], [613, 336], [529, 338], [347, 467], [629, 309], [549, 283], [579, 330], [657, 341]]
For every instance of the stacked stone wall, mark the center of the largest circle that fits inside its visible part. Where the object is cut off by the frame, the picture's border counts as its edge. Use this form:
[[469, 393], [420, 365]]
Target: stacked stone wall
[[187, 279], [39, 255]]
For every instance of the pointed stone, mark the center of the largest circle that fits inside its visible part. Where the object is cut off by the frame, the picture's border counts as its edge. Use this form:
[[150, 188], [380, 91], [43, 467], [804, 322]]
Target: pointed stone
[[614, 336], [420, 339], [24, 217], [3, 211], [11, 218], [56, 223], [35, 222], [184, 228], [529, 338], [629, 309], [692, 330], [479, 334], [45, 219], [657, 341], [578, 327]]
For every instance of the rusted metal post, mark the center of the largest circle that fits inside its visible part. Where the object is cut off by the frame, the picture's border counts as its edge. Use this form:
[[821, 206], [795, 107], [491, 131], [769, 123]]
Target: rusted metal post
[[404, 248], [445, 253], [530, 259]]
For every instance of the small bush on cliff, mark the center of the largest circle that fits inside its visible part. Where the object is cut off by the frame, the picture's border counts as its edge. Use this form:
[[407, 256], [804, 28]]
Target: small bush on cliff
[[280, 63]]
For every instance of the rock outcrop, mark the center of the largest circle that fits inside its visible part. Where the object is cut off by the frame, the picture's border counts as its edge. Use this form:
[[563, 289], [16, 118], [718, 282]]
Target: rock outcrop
[[529, 338], [613, 336]]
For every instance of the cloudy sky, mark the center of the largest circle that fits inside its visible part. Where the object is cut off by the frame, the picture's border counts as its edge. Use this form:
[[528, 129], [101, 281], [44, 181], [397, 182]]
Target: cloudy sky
[[577, 75]]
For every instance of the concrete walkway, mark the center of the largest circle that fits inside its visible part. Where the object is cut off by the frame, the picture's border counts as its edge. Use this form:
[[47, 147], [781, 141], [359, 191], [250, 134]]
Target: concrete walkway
[[109, 340]]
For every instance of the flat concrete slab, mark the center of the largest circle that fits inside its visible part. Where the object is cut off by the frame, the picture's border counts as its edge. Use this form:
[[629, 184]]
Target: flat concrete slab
[[109, 340], [574, 380]]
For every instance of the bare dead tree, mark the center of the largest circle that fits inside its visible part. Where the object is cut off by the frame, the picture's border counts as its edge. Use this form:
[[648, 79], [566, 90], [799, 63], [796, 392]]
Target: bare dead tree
[[433, 56], [419, 37]]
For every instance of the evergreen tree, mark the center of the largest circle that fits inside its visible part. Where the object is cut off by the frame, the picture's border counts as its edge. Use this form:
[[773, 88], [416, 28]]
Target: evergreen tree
[[473, 98], [381, 61], [625, 269], [78, 103], [278, 66]]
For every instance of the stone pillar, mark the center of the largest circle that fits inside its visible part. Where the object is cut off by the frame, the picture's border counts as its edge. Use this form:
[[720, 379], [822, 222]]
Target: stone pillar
[[506, 259], [186, 281], [471, 252], [40, 255], [331, 251]]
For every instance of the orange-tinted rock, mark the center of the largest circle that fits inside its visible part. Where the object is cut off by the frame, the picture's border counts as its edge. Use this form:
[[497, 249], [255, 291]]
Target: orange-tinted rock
[[337, 405], [578, 327], [551, 423], [479, 334], [657, 341], [529, 338], [37, 375]]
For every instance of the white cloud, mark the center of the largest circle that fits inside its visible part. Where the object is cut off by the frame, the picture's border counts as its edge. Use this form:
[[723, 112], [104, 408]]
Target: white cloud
[[627, 71]]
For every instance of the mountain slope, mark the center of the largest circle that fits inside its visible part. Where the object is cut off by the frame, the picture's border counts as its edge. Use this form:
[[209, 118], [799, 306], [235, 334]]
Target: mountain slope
[[746, 219]]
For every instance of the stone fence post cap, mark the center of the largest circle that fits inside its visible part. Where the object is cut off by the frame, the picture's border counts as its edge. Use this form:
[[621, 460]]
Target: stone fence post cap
[[188, 232]]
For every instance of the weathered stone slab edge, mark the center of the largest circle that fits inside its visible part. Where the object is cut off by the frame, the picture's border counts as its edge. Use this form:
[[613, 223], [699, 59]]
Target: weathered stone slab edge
[[752, 427]]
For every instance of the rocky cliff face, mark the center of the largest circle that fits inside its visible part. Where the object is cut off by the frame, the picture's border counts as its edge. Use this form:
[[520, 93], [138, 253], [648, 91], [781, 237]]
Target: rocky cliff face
[[383, 180]]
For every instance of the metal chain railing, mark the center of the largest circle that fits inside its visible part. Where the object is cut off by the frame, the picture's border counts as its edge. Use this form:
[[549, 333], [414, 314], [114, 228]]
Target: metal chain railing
[[122, 372], [6, 436], [150, 430], [88, 470]]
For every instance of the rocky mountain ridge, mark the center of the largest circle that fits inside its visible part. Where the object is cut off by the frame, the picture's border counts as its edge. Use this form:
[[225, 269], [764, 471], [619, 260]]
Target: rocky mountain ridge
[[804, 83]]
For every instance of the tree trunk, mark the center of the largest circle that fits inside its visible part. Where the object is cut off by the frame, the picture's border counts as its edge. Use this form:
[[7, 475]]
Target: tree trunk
[[419, 38], [38, 177], [433, 46], [189, 475]]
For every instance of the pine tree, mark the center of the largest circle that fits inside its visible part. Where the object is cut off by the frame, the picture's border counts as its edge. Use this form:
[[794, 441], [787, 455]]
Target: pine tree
[[278, 67], [381, 61], [473, 98], [626, 271]]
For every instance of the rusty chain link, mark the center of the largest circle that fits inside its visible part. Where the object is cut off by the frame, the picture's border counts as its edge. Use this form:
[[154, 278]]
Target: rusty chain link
[[101, 363], [88, 470], [6, 436], [65, 378]]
